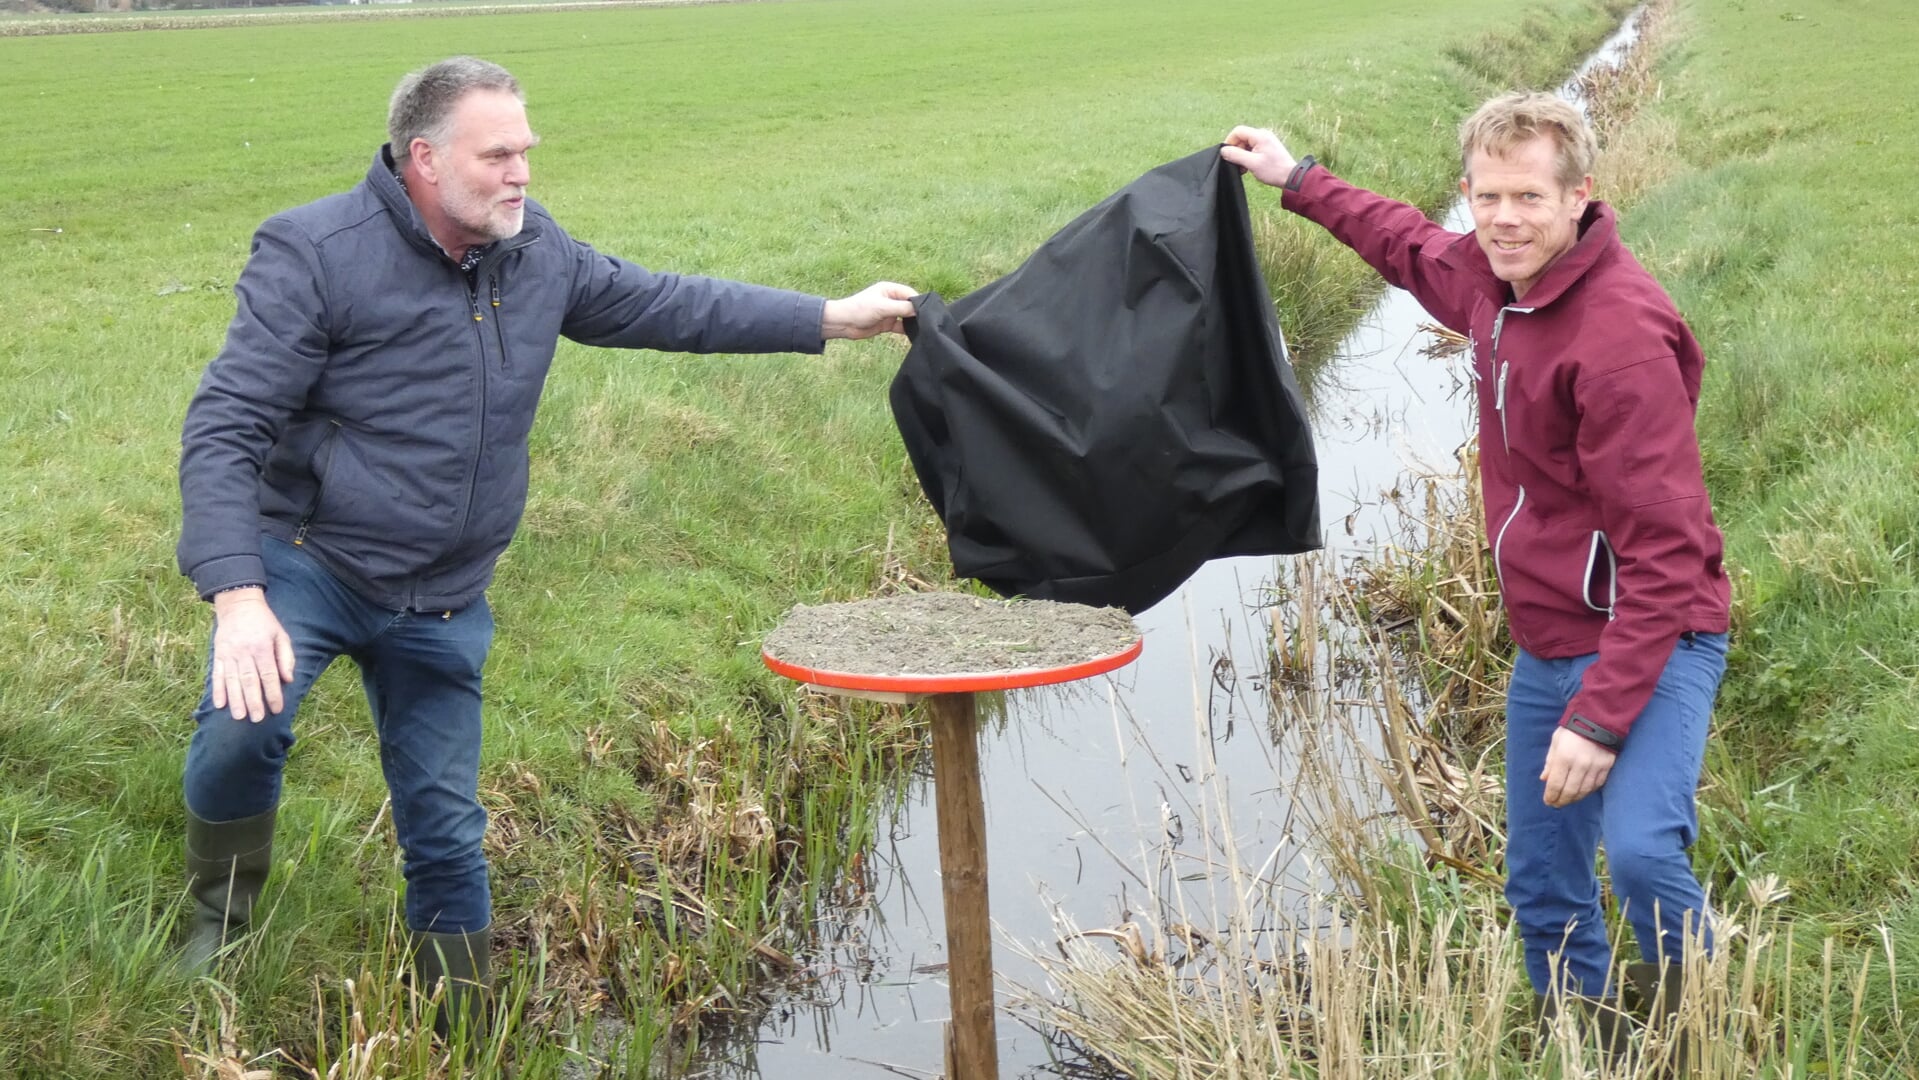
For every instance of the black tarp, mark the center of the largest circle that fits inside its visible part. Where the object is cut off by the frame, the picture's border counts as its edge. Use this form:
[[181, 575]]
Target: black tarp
[[1095, 425]]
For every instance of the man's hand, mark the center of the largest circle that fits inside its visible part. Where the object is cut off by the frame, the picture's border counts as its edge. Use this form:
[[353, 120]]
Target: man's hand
[[252, 655], [1259, 152], [1575, 768], [876, 309]]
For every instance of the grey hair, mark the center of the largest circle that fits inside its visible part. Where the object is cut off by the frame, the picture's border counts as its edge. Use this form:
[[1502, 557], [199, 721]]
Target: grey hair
[[422, 106]]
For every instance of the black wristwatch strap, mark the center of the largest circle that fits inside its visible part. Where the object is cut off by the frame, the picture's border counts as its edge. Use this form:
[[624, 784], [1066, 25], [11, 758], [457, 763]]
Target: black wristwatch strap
[[1298, 175], [1579, 725]]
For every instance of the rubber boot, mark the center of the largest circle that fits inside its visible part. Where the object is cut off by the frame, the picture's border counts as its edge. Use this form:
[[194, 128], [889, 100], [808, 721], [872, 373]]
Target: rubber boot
[[227, 864], [1601, 1024], [464, 962], [1659, 987]]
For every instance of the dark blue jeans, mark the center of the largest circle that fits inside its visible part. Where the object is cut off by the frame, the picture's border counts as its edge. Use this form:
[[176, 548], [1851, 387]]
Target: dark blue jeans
[[421, 671], [1644, 813]]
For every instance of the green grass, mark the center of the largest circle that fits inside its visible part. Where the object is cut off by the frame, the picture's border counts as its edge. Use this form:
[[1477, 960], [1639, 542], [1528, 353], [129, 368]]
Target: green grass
[[1803, 290], [681, 503]]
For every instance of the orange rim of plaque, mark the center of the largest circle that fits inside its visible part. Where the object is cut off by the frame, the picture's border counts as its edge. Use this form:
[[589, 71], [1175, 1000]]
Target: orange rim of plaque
[[955, 684]]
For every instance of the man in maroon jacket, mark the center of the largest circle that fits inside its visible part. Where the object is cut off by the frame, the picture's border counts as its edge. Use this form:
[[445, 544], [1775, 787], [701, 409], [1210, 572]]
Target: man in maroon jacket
[[1603, 537]]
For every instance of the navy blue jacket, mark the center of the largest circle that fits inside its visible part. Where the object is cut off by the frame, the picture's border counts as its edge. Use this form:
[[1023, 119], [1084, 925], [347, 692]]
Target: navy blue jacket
[[372, 401]]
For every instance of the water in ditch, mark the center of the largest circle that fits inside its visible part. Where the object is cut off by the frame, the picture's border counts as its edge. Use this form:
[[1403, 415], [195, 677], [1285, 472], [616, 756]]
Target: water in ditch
[[1097, 794]]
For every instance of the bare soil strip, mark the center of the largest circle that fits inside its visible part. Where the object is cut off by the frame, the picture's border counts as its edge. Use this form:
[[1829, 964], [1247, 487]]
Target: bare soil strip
[[258, 17]]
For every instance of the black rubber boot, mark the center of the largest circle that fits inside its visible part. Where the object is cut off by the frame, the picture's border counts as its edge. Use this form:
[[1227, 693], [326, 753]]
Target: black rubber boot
[[464, 962], [227, 864], [1659, 987], [1601, 1024]]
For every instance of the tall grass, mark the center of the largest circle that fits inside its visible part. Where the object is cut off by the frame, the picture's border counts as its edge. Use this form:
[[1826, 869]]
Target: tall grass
[[1807, 428]]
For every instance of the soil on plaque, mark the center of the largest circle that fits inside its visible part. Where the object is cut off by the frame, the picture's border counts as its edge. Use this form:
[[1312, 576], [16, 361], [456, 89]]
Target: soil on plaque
[[947, 634]]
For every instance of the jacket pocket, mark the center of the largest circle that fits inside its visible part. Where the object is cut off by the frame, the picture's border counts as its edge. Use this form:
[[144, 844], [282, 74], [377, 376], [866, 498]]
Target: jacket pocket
[[1499, 541], [1601, 584], [318, 464]]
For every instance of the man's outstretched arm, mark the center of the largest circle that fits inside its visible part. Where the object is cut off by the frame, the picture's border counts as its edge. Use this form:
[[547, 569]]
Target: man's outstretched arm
[[1393, 237], [880, 308], [1259, 152]]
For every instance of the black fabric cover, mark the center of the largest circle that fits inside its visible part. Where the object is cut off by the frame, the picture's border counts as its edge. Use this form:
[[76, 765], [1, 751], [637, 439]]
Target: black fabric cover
[[1120, 409]]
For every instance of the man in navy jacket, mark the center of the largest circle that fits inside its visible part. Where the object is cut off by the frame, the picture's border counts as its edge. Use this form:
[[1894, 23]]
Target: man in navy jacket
[[355, 461], [1609, 561]]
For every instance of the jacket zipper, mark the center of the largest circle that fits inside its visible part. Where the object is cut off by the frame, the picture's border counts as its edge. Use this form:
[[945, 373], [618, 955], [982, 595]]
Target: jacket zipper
[[486, 270], [479, 315], [479, 446], [479, 443], [1499, 406], [1499, 396], [313, 506], [499, 332]]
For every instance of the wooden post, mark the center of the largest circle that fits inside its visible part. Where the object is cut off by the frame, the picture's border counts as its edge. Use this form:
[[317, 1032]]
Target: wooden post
[[972, 1049], [970, 1043]]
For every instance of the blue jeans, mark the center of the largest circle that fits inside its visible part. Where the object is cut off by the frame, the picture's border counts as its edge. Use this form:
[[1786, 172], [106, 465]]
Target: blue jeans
[[1645, 814], [421, 671]]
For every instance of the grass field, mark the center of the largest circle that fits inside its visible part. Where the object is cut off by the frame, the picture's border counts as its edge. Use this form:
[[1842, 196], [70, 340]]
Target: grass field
[[635, 747], [1805, 292]]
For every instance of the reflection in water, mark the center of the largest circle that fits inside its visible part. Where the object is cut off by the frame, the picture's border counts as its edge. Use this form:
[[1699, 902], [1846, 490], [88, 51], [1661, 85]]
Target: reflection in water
[[1114, 797]]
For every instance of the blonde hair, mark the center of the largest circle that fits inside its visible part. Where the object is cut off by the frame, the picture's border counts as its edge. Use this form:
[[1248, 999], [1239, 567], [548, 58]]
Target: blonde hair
[[1511, 120]]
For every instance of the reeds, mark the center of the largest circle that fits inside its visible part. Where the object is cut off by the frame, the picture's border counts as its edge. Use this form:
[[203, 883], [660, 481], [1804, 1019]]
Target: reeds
[[373, 1023], [1638, 150]]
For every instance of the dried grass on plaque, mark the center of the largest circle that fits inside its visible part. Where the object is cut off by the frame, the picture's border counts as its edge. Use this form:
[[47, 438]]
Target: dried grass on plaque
[[942, 633]]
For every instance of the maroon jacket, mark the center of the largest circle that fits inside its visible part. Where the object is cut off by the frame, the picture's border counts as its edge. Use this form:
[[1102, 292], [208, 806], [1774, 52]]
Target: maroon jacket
[[1602, 532]]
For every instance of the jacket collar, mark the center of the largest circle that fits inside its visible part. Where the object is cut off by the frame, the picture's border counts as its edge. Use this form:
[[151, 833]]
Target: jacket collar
[[381, 178], [1598, 233], [406, 218]]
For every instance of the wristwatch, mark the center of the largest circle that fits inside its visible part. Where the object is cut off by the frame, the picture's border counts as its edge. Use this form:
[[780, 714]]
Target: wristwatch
[[1579, 725], [1298, 175]]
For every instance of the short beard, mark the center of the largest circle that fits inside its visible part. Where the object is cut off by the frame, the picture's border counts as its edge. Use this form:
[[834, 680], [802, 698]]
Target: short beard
[[507, 231], [489, 227], [482, 223]]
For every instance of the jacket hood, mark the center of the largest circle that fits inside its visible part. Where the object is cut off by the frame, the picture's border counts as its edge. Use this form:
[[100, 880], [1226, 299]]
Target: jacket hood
[[381, 179]]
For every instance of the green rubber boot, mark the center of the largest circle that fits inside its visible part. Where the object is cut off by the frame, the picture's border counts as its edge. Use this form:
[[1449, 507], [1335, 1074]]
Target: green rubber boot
[[1659, 987], [1601, 1024], [464, 963], [227, 865]]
